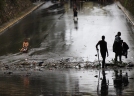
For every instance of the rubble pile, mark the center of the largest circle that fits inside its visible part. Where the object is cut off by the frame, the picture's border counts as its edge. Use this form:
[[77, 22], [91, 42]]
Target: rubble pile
[[60, 64]]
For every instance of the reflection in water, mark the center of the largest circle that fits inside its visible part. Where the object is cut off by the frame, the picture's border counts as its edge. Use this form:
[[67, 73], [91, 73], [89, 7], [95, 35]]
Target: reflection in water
[[76, 87], [48, 83], [26, 81], [120, 82], [104, 85], [76, 24], [67, 82]]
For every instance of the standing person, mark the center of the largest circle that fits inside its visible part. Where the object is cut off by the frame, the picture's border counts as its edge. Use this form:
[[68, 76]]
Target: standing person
[[75, 12], [103, 49], [117, 46]]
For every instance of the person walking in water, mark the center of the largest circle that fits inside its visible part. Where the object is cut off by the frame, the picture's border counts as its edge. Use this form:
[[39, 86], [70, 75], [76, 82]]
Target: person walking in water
[[103, 49], [117, 47], [75, 12]]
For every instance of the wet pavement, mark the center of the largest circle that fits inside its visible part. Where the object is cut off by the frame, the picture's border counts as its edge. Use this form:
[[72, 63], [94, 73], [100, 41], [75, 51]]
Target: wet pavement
[[61, 60], [53, 33]]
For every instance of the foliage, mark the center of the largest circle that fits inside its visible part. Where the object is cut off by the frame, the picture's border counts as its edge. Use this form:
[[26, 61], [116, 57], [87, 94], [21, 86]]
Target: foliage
[[11, 8], [13, 1], [2, 4], [129, 4]]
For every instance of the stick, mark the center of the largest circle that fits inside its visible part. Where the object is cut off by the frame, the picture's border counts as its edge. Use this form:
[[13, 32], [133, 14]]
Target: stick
[[99, 74]]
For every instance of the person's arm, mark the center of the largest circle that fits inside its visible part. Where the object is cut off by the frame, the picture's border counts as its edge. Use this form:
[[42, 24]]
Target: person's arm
[[107, 50], [97, 45]]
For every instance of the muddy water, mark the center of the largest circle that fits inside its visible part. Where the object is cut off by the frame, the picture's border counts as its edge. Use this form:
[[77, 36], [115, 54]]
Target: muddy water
[[53, 34], [65, 82]]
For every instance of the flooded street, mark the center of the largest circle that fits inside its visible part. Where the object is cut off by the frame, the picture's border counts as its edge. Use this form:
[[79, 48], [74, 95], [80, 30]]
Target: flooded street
[[61, 60], [66, 82], [55, 35]]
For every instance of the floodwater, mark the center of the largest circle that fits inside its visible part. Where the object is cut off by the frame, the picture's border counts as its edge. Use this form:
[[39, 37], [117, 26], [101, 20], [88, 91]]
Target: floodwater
[[55, 36], [67, 82]]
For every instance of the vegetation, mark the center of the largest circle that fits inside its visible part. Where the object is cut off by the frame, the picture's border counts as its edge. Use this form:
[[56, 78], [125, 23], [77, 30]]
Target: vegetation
[[11, 8], [2, 4], [129, 4]]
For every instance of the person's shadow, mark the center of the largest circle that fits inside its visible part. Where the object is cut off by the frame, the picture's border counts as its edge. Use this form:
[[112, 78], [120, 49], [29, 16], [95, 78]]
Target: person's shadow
[[76, 24], [104, 85]]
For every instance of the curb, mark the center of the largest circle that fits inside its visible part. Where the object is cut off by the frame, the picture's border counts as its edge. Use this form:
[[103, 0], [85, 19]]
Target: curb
[[126, 12], [8, 25]]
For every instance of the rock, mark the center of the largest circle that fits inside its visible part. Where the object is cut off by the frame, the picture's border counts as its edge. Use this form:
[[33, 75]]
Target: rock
[[40, 63]]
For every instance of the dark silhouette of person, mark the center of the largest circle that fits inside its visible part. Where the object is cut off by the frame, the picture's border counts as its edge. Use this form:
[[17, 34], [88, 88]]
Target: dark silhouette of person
[[125, 49], [117, 46], [104, 85], [103, 49], [119, 51], [75, 12]]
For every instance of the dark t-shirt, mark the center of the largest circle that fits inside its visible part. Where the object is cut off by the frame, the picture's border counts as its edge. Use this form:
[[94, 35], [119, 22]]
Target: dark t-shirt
[[103, 45]]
